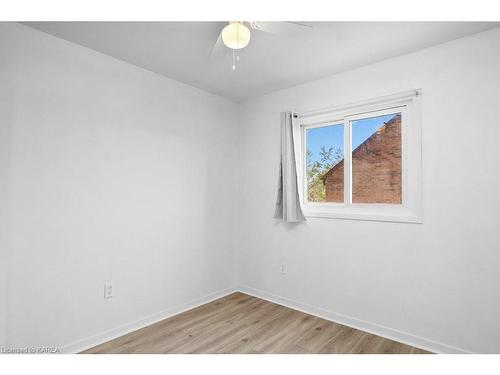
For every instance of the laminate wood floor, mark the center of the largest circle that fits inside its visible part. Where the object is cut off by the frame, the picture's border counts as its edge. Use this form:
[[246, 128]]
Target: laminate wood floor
[[239, 323]]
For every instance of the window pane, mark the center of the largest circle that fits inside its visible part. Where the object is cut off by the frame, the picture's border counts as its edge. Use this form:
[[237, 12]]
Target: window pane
[[376, 160], [325, 167]]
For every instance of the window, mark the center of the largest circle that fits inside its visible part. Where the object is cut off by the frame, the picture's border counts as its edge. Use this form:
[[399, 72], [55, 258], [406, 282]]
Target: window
[[362, 161], [376, 159], [325, 150]]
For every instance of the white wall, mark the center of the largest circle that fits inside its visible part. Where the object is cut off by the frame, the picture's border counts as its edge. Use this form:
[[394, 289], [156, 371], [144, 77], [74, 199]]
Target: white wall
[[435, 283], [5, 120], [114, 174]]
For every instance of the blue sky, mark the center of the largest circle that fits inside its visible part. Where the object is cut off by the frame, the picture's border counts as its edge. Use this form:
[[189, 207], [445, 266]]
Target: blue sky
[[333, 136]]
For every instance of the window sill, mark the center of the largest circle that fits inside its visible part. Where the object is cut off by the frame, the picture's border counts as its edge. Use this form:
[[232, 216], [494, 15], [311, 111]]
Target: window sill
[[390, 213]]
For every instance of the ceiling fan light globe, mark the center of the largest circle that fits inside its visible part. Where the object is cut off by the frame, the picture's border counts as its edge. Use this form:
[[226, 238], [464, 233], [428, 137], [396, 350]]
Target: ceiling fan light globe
[[236, 35]]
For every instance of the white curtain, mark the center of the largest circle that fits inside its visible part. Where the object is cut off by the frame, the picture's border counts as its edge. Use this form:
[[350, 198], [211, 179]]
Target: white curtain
[[288, 201]]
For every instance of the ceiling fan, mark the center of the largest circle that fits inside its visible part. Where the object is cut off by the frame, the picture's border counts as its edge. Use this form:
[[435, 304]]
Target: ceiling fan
[[236, 35]]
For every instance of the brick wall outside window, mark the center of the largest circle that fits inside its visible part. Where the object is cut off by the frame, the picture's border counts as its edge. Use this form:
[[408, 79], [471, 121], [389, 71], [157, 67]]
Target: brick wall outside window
[[376, 169]]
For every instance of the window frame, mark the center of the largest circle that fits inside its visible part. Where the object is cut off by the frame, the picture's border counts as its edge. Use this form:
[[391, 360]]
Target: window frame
[[410, 209]]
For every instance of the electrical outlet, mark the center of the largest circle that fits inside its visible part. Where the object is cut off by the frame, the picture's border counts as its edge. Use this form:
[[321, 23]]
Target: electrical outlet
[[282, 268], [108, 290]]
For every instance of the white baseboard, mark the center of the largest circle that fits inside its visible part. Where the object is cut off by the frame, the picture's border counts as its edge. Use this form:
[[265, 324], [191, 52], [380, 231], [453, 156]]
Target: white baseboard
[[376, 329], [373, 328], [113, 333]]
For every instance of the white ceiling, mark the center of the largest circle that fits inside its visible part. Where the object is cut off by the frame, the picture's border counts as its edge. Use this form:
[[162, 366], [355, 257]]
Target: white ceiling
[[181, 50]]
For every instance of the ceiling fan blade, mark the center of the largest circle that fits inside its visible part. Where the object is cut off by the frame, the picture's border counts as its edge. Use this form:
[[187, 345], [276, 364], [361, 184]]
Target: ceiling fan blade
[[219, 50], [287, 27]]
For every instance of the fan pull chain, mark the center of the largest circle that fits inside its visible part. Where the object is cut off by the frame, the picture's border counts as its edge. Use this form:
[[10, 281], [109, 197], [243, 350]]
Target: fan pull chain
[[236, 58]]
